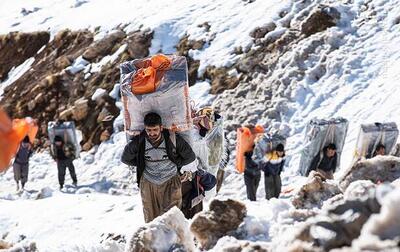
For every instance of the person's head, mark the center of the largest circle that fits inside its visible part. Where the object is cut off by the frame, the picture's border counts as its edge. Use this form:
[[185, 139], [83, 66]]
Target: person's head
[[380, 149], [280, 150], [331, 150], [58, 140], [153, 126], [25, 141]]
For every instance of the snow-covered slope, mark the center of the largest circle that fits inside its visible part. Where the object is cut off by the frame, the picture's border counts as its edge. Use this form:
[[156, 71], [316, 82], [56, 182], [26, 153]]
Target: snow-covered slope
[[351, 70]]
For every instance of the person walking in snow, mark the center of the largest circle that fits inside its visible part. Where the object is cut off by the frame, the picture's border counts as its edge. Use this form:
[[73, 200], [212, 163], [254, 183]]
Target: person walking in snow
[[272, 168], [63, 154], [158, 156], [21, 163], [252, 176], [325, 161]]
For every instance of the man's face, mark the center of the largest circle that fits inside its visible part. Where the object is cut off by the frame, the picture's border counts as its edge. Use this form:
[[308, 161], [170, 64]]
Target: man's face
[[153, 132], [330, 152], [381, 151], [58, 143], [280, 153], [25, 145]]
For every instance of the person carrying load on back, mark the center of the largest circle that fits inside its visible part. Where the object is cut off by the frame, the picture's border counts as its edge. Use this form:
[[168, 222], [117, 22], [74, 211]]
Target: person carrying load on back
[[21, 162], [380, 150], [252, 173], [272, 167], [325, 161], [158, 156], [205, 123], [63, 153]]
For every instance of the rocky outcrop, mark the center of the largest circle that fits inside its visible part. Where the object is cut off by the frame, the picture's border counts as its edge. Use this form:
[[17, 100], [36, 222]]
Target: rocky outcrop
[[183, 48], [106, 46], [340, 225], [222, 217], [378, 169], [49, 91], [16, 47], [319, 20]]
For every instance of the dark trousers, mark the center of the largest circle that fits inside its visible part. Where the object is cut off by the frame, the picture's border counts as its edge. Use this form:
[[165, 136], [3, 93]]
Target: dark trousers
[[187, 196], [21, 172], [251, 183], [273, 186], [61, 166]]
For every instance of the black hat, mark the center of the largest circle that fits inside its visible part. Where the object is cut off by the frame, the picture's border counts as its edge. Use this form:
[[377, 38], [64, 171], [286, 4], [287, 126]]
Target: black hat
[[58, 139], [280, 147], [26, 139]]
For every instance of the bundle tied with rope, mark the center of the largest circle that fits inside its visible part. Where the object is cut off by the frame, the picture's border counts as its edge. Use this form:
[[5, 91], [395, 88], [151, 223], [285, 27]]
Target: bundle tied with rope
[[319, 133]]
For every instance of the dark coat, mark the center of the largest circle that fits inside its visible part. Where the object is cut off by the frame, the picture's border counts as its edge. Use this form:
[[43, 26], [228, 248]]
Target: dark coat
[[326, 164], [133, 154], [252, 169], [202, 181], [23, 155]]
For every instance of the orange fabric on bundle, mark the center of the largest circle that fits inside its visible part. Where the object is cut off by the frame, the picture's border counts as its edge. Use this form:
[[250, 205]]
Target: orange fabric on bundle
[[148, 77], [244, 143], [11, 135]]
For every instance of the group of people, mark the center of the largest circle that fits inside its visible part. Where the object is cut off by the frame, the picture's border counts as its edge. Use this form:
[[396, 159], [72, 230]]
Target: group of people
[[159, 155], [325, 163], [271, 166], [62, 153]]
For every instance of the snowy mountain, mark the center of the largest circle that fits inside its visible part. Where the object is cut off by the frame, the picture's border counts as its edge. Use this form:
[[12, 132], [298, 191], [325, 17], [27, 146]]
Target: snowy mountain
[[276, 63]]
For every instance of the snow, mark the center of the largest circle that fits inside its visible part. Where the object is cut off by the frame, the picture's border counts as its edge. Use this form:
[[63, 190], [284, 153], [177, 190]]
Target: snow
[[199, 93], [15, 73], [98, 93], [78, 65]]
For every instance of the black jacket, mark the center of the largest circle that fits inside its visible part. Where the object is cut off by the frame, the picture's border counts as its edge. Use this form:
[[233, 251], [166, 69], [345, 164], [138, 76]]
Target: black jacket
[[23, 155], [252, 169], [326, 164], [181, 154]]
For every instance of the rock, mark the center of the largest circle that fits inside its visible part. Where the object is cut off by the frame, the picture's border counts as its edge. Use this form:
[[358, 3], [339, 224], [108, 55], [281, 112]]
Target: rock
[[220, 79], [165, 233], [378, 169], [81, 109], [260, 32], [183, 48], [222, 217], [359, 189], [230, 244], [16, 47], [139, 43], [4, 245], [319, 20], [341, 224], [386, 224], [66, 114], [104, 46], [315, 191], [62, 62]]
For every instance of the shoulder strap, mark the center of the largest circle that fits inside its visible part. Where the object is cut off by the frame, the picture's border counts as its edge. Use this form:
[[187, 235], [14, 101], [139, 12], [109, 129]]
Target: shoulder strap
[[172, 137]]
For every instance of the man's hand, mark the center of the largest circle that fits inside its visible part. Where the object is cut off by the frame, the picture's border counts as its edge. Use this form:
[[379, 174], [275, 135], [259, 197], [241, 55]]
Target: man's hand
[[186, 176]]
